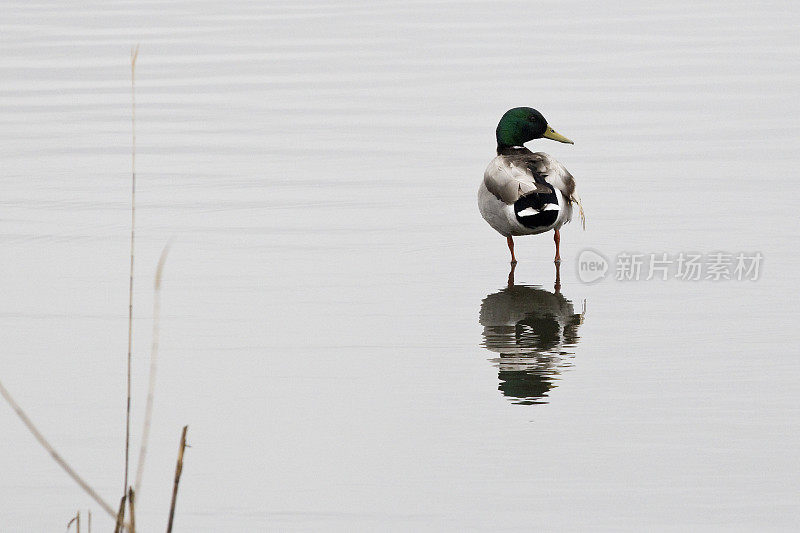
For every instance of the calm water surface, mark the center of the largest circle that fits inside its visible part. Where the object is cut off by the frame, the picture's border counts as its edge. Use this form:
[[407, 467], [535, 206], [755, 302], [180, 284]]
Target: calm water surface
[[338, 325]]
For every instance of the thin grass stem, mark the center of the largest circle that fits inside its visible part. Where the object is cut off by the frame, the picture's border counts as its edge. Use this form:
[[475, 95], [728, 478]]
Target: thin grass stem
[[132, 519], [148, 410], [134, 55], [53, 453], [121, 514], [178, 470]]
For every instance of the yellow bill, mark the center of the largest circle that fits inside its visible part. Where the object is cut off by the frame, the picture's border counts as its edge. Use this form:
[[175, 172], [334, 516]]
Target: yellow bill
[[553, 134]]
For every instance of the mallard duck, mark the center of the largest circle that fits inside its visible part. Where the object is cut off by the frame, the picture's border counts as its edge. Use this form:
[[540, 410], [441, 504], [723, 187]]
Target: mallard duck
[[524, 192]]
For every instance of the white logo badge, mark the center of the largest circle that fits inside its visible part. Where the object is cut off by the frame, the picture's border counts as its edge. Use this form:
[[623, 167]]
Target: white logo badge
[[592, 266]]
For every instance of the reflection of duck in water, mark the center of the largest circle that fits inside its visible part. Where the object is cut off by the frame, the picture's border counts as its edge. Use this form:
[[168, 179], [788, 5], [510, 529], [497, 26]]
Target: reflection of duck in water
[[532, 330]]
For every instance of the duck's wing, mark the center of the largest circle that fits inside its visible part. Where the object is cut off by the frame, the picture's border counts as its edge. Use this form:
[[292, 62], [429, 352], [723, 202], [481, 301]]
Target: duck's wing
[[545, 167], [511, 179]]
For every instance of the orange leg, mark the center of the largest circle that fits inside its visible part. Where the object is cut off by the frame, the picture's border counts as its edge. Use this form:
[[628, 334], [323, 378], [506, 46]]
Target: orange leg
[[557, 240], [511, 247]]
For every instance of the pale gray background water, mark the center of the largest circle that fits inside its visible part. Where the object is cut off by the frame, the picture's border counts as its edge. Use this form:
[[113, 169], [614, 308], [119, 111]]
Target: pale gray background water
[[316, 165]]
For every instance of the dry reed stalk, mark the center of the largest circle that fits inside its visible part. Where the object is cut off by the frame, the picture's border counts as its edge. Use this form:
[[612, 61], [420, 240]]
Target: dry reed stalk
[[53, 453], [178, 470], [148, 411], [75, 520], [89, 522], [134, 55], [120, 514], [132, 519]]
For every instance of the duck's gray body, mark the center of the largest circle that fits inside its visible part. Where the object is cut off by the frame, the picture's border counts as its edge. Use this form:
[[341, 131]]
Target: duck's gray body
[[526, 193]]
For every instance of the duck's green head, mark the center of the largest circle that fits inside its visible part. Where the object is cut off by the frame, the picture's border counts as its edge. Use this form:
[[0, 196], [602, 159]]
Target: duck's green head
[[523, 124]]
